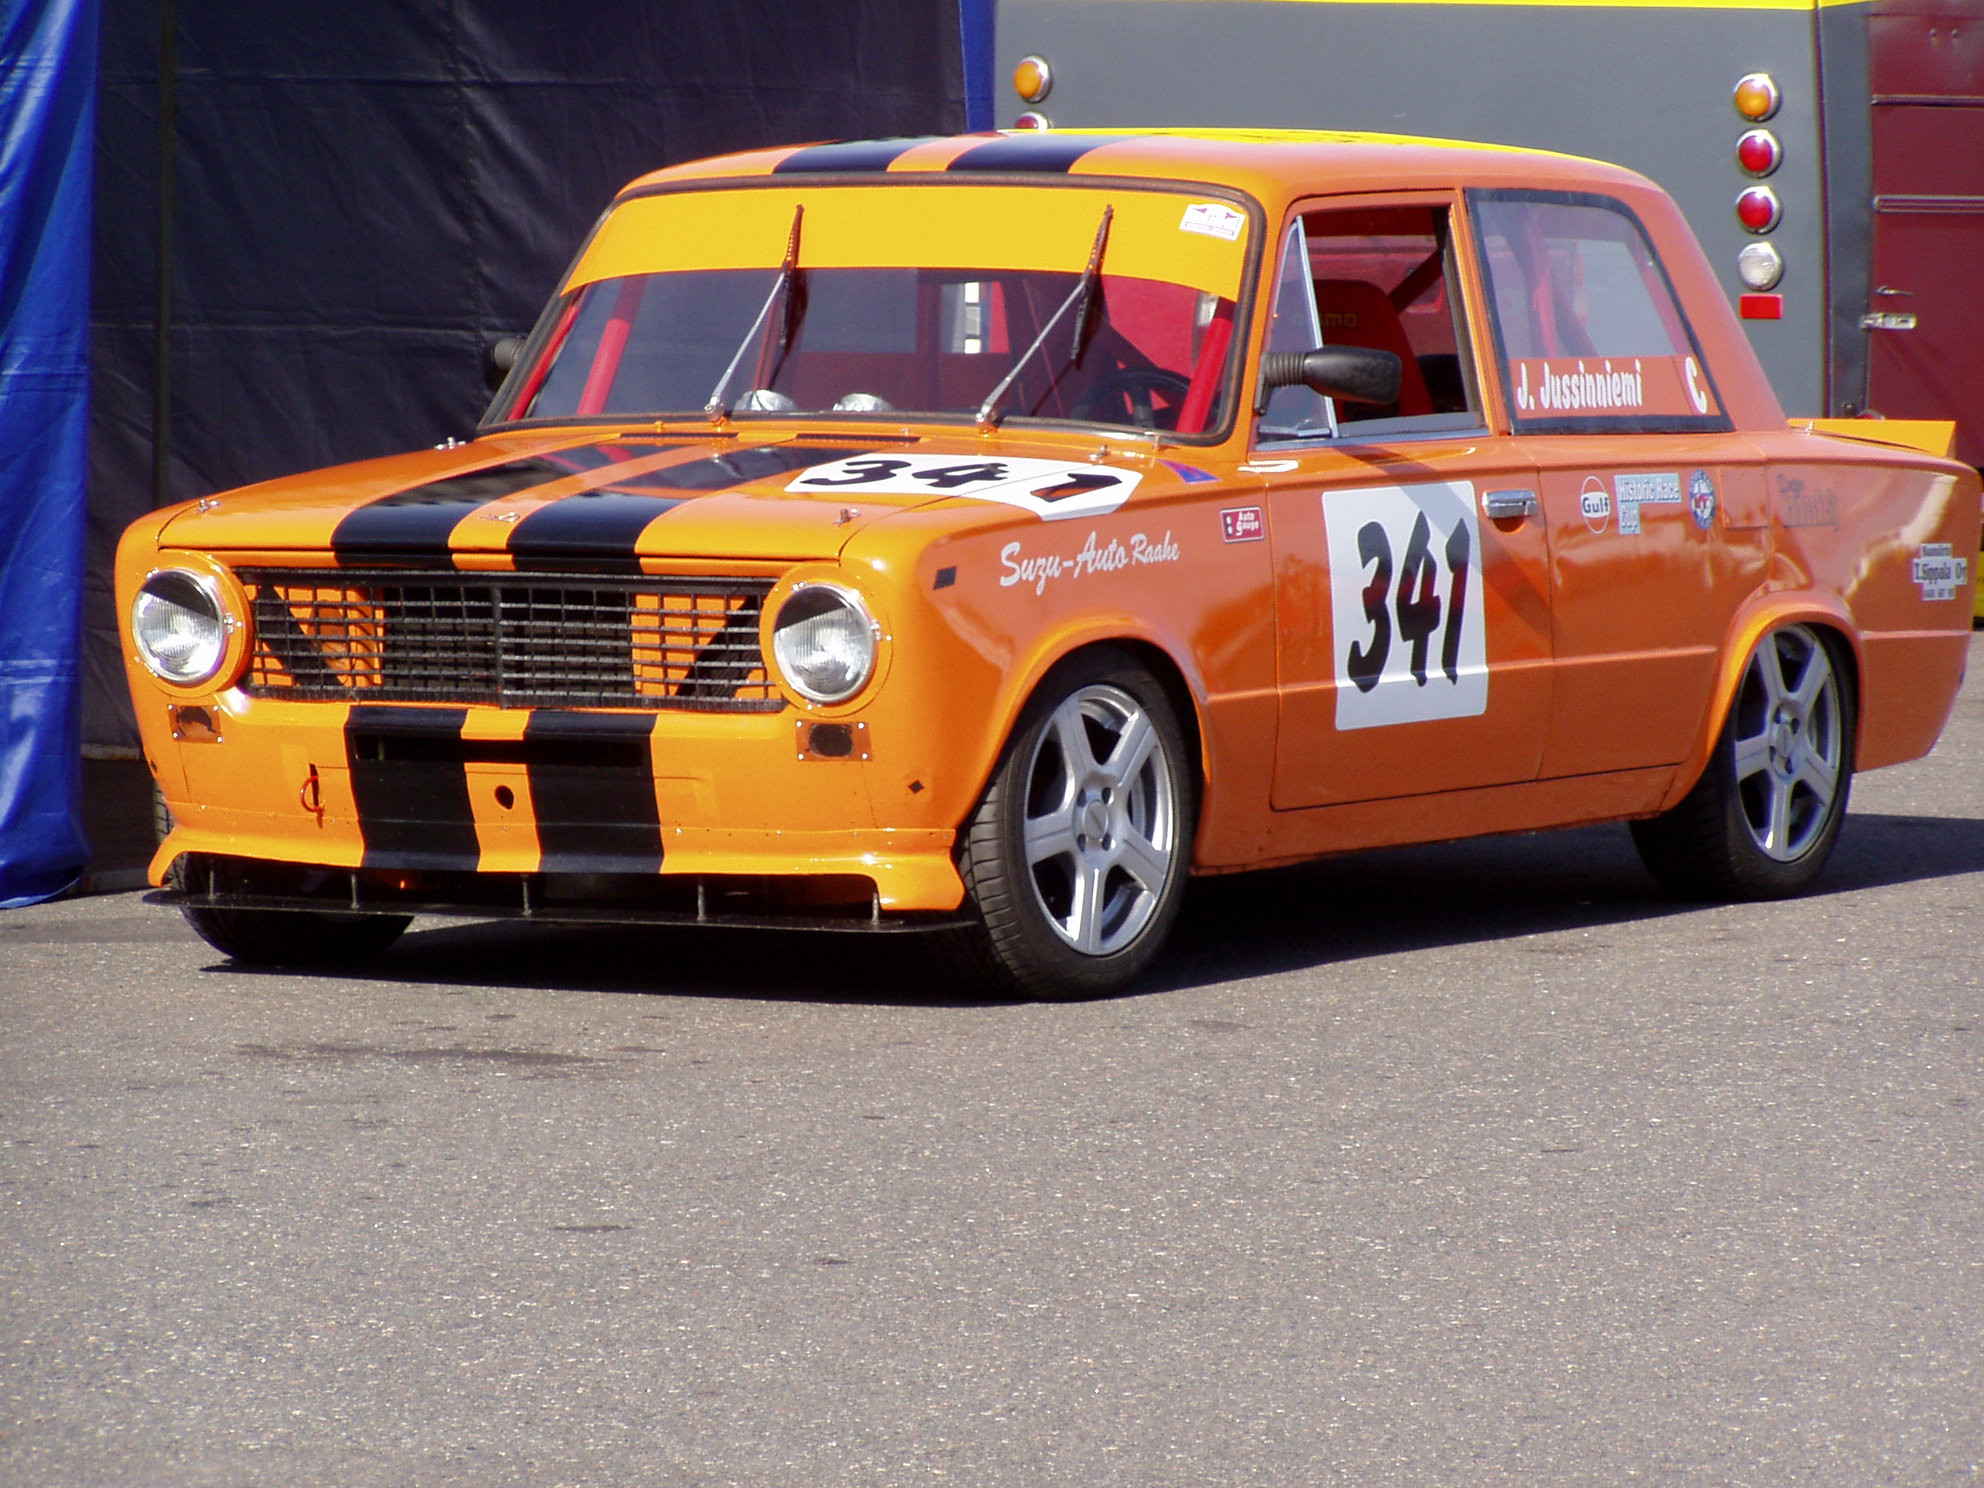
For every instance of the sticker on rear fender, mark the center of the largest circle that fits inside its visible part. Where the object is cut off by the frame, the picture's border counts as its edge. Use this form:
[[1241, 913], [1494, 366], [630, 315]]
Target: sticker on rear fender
[[1051, 490], [1405, 604]]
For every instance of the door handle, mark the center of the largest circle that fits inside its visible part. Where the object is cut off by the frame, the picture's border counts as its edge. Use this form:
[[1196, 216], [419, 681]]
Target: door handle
[[1508, 506]]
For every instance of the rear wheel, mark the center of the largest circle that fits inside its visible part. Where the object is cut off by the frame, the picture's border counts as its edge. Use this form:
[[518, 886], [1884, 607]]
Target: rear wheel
[[294, 937], [1762, 820], [1075, 860]]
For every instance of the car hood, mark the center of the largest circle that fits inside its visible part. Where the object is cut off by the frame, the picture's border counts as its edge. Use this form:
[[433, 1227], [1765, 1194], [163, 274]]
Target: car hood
[[550, 501]]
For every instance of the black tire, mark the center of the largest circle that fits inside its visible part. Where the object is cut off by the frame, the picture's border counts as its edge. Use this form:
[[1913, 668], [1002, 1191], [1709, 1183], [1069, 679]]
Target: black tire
[[294, 937], [1084, 909], [1762, 820]]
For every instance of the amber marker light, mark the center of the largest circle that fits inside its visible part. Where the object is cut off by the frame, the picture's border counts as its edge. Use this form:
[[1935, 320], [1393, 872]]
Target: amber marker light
[[1033, 79], [1758, 209], [1757, 96], [1759, 153]]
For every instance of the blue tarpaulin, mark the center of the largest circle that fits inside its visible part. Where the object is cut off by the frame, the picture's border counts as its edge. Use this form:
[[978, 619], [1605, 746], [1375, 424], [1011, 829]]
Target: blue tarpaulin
[[47, 100]]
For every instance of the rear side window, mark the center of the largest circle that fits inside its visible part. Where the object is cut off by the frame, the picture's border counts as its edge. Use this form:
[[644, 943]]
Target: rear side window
[[1589, 333]]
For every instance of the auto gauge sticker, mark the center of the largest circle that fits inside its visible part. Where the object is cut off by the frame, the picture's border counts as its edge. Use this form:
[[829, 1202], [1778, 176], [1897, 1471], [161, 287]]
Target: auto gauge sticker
[[1405, 604], [1050, 489]]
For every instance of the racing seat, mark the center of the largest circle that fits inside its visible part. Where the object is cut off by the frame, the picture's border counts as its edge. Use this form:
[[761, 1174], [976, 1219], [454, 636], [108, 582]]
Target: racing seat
[[1354, 313]]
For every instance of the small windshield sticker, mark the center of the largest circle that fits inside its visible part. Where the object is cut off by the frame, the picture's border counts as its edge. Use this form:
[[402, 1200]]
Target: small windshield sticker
[[1243, 524], [1037, 570], [1939, 571], [1636, 491], [1596, 504], [1701, 499], [1049, 489], [1213, 220]]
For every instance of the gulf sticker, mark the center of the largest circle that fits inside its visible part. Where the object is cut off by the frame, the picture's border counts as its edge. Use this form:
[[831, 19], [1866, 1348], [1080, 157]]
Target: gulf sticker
[[1405, 604], [1611, 387], [1051, 490]]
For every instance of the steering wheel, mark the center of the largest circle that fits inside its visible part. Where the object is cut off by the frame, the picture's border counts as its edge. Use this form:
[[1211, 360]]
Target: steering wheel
[[1134, 386]]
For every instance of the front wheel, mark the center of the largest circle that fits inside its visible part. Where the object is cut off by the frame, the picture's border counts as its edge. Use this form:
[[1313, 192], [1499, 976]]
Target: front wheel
[[1762, 820], [1076, 857]]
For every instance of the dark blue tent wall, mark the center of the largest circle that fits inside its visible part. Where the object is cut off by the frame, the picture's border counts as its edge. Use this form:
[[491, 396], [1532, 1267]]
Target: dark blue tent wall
[[367, 192], [47, 93]]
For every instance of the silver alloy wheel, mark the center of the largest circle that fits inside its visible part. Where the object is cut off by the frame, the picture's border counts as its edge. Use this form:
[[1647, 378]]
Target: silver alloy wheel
[[1101, 823], [1788, 743]]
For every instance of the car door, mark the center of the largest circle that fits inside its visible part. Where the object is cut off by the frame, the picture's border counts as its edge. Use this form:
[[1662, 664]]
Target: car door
[[1656, 510], [1412, 584]]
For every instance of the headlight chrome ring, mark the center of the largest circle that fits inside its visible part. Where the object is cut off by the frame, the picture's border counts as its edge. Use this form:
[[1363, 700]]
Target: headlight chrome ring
[[824, 641], [180, 626]]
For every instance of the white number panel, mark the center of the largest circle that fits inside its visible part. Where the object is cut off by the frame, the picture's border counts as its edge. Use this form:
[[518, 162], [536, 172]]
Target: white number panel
[[1405, 599], [1049, 489]]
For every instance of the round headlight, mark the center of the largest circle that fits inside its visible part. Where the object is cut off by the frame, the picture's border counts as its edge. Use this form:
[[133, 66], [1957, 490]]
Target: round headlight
[[824, 642], [180, 626]]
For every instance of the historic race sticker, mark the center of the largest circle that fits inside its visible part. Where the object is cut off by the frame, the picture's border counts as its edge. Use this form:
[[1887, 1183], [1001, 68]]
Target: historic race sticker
[[1636, 491]]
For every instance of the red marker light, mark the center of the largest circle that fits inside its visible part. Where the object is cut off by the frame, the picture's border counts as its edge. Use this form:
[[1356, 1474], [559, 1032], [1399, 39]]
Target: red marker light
[[1759, 153], [1760, 306], [1033, 119], [1758, 209]]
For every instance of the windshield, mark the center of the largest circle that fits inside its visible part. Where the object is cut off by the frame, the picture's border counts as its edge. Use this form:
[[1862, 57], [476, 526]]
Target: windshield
[[896, 302]]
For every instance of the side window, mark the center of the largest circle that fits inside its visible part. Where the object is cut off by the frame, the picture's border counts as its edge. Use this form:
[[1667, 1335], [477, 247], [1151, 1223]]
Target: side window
[[1380, 277], [1589, 333]]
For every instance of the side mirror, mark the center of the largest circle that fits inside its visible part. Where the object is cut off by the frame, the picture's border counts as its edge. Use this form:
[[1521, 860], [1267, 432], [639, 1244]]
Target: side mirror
[[1362, 374], [503, 355]]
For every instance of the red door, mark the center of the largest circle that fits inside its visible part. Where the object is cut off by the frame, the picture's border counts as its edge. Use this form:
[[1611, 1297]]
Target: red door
[[1925, 319]]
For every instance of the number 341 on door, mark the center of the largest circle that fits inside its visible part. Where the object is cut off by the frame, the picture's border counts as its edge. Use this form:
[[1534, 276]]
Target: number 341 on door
[[1405, 600]]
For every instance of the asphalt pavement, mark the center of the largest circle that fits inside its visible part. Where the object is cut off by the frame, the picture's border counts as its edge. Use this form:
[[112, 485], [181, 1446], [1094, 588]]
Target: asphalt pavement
[[1479, 1164]]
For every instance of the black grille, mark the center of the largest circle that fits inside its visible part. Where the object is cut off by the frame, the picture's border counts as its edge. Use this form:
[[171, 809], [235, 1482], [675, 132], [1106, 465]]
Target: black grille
[[514, 640]]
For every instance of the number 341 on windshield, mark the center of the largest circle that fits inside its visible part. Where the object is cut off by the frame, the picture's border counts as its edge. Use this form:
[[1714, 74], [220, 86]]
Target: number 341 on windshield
[[1405, 601]]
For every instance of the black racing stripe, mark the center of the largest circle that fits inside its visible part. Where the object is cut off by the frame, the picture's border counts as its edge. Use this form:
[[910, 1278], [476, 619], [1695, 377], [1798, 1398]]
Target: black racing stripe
[[720, 472], [849, 155], [598, 526], [410, 787], [1032, 152], [603, 525], [420, 519], [592, 792]]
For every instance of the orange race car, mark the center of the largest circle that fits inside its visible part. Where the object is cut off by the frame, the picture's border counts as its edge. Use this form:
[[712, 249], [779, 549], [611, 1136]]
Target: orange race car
[[977, 535]]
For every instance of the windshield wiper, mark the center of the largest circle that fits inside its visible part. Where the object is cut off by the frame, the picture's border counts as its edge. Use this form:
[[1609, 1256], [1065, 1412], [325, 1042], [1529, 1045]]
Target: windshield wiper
[[1080, 295], [788, 320]]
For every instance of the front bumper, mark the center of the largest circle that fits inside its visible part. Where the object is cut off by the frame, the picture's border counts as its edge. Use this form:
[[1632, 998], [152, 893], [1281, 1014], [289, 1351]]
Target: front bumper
[[815, 901]]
